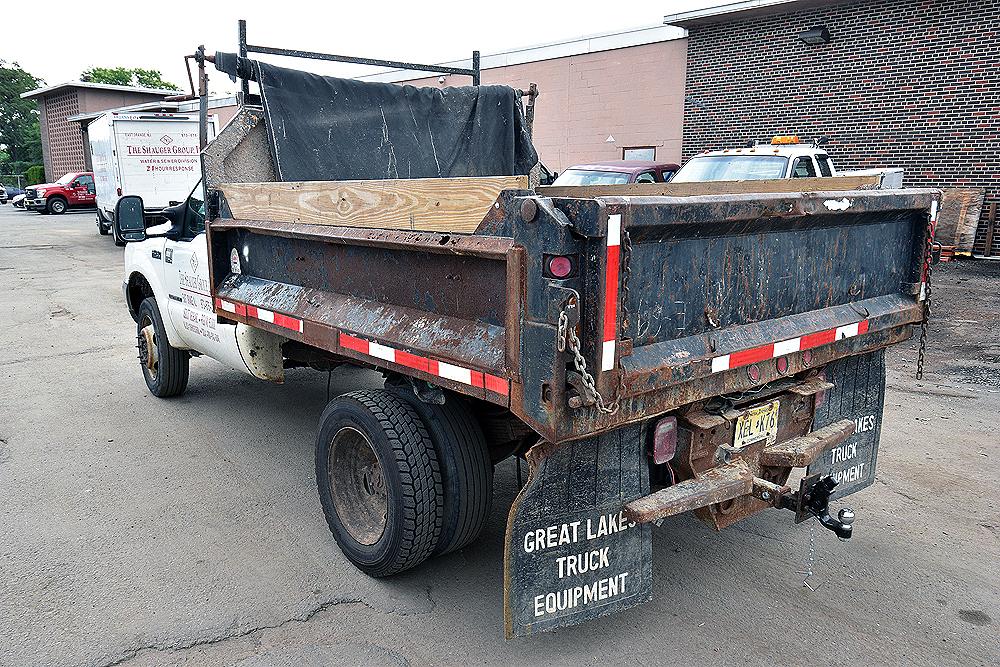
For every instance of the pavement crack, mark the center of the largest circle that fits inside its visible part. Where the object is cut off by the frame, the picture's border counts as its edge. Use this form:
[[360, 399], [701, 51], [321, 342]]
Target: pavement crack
[[56, 355], [234, 633], [889, 486]]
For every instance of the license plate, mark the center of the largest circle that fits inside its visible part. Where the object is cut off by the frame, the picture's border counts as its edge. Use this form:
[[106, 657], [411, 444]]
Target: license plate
[[758, 423]]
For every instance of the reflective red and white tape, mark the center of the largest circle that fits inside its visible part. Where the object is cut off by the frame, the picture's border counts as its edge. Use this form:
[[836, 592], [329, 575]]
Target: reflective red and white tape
[[774, 350], [611, 292], [430, 366], [277, 319], [460, 374]]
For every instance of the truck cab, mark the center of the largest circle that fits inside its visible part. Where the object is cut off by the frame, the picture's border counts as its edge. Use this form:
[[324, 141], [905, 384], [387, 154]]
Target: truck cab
[[74, 190], [170, 263]]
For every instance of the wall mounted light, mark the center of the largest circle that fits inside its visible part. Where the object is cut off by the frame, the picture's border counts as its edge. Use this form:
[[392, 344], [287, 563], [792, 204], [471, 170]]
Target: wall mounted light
[[814, 36]]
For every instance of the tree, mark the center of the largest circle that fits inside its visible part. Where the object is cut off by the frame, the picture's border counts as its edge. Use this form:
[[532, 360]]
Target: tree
[[19, 134], [127, 76]]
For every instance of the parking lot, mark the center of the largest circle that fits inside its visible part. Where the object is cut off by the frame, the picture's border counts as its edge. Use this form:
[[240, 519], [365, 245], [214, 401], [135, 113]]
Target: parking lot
[[137, 531]]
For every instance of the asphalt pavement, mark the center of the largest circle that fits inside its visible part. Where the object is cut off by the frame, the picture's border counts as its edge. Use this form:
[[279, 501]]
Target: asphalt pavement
[[138, 531]]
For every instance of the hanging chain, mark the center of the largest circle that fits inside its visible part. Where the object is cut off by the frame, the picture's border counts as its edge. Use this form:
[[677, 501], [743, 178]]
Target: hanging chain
[[808, 572], [928, 270], [568, 338], [626, 265]]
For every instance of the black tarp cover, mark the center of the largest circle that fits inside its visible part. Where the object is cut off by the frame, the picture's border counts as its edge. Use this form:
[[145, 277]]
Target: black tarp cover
[[328, 129]]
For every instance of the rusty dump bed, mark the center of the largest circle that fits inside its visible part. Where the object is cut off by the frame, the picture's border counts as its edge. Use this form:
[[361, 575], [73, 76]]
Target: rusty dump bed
[[672, 299]]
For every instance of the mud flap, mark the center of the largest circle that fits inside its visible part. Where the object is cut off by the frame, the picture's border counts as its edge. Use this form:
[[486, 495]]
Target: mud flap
[[858, 394], [570, 553]]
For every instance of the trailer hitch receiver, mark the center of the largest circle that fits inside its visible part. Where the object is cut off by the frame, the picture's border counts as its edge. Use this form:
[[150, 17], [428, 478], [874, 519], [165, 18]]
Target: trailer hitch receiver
[[813, 500]]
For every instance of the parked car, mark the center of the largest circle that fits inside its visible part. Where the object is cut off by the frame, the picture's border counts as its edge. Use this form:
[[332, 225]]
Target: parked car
[[17, 200], [783, 157], [617, 172], [3, 193], [74, 190]]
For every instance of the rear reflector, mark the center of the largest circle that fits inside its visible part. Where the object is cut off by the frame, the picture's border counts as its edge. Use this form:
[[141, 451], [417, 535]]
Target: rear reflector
[[665, 440], [560, 267]]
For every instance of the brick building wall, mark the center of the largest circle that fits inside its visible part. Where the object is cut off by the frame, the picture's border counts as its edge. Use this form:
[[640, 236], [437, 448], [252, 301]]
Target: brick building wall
[[62, 146], [902, 83], [63, 143]]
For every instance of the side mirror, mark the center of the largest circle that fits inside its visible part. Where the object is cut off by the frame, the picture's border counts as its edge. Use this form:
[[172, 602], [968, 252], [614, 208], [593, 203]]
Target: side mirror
[[130, 221]]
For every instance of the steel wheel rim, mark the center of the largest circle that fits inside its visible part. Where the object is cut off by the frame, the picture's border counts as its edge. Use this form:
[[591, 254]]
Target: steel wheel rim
[[357, 485], [57, 207], [147, 347]]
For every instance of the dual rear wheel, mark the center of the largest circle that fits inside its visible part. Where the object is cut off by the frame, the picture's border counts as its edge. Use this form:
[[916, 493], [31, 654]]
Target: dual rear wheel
[[401, 480]]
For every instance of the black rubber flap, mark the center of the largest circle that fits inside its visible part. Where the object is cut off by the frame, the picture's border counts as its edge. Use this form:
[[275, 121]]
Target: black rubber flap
[[858, 394], [328, 129], [571, 555]]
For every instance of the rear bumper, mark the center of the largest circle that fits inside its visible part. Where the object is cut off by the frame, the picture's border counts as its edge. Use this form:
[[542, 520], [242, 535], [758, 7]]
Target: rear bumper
[[737, 479]]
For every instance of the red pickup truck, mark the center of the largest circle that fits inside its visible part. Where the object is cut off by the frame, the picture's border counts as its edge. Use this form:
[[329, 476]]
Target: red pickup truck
[[75, 189]]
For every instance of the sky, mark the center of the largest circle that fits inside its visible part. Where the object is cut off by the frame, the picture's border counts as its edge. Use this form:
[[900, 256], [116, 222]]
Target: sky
[[156, 35]]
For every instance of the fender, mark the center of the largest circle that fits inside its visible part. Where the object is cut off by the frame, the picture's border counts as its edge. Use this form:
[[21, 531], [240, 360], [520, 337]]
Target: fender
[[139, 259], [254, 351]]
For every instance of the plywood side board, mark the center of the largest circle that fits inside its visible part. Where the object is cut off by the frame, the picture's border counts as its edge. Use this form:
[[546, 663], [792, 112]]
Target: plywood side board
[[422, 204], [835, 183]]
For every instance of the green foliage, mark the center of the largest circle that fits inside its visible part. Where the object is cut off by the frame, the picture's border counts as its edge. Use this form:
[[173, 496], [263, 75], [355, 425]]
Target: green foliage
[[127, 76], [19, 135], [34, 175]]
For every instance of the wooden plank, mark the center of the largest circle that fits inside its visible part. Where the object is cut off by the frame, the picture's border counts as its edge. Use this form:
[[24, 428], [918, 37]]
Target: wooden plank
[[836, 183], [422, 204], [959, 216]]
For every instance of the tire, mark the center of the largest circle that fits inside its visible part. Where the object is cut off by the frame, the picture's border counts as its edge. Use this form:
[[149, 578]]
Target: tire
[[103, 226], [164, 367], [379, 482], [56, 206], [466, 469]]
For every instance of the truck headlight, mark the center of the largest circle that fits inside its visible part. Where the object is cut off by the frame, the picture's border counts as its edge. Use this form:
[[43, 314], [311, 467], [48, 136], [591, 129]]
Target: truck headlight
[[39, 193]]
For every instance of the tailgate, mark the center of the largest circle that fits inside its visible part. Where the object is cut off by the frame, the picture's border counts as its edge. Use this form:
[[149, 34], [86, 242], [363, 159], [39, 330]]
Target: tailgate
[[703, 296]]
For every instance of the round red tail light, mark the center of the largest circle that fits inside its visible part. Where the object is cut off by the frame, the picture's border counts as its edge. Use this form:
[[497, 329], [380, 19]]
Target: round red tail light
[[560, 266]]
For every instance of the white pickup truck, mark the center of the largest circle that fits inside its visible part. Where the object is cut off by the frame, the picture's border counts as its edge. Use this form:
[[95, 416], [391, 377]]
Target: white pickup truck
[[783, 157]]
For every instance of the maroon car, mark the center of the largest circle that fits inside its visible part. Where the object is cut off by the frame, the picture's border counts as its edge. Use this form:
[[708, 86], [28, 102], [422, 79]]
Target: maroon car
[[617, 172]]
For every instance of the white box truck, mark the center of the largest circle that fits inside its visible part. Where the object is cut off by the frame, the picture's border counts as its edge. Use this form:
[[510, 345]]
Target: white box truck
[[150, 154]]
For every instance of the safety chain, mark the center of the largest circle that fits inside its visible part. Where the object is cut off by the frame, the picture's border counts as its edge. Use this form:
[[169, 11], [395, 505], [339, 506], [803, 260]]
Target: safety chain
[[567, 337], [928, 270], [808, 573]]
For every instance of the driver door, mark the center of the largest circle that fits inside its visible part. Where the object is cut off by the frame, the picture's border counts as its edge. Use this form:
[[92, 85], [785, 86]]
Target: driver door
[[84, 193], [185, 276]]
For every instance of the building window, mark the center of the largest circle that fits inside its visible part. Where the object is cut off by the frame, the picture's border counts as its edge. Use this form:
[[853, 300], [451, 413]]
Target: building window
[[639, 153]]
